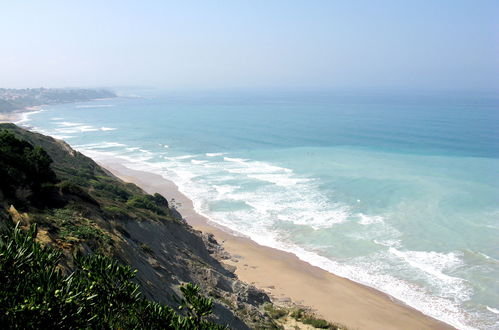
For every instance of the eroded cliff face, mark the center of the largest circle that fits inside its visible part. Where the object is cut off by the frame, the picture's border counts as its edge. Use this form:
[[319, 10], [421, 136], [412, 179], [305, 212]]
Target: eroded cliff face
[[169, 254], [93, 211]]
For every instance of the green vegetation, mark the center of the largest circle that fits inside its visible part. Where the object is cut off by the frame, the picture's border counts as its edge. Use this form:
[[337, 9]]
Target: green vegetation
[[30, 178], [273, 311], [154, 203], [119, 193], [115, 211], [98, 293], [71, 226], [307, 317], [27, 177]]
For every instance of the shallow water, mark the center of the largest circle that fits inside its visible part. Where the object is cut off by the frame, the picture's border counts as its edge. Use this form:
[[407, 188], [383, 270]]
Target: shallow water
[[399, 192]]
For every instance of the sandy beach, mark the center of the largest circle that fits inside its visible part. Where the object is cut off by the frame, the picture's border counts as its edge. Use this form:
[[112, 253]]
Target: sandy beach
[[285, 277], [10, 117], [17, 115]]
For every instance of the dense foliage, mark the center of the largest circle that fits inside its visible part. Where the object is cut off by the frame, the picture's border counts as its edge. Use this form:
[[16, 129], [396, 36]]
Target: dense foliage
[[155, 203], [25, 171], [99, 293]]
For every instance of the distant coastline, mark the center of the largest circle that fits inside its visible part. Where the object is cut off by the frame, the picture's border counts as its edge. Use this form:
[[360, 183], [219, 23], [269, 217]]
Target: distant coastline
[[16, 102]]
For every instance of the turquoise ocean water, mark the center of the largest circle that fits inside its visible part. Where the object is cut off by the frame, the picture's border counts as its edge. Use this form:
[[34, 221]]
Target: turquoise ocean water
[[398, 192]]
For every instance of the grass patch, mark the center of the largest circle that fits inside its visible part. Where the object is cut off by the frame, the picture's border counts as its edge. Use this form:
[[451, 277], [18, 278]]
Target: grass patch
[[274, 311], [147, 202], [309, 318], [112, 189], [115, 211], [72, 225]]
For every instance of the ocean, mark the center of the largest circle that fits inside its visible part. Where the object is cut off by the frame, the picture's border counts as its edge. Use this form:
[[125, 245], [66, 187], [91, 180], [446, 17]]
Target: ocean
[[397, 191]]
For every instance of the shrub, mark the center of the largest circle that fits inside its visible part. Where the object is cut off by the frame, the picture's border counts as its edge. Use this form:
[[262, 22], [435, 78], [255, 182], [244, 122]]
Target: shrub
[[115, 211], [70, 187], [147, 202], [309, 318], [116, 191], [297, 313], [316, 322], [24, 169], [274, 311], [85, 232], [160, 200], [99, 293], [71, 224]]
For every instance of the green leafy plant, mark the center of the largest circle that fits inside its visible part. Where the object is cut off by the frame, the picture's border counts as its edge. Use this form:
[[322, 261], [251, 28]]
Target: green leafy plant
[[98, 293], [197, 306], [25, 171], [148, 202]]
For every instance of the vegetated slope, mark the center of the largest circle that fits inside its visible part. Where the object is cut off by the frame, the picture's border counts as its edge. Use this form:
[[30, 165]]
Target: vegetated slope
[[77, 206]]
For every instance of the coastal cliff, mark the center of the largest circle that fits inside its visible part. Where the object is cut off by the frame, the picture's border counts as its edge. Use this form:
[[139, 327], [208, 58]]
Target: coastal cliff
[[78, 206]]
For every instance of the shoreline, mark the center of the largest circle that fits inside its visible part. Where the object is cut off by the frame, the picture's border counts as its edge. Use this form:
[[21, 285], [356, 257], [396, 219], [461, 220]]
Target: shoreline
[[17, 115], [283, 276]]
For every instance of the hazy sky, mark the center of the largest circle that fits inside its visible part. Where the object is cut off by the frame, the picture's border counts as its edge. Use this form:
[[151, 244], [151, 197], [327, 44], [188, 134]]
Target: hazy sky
[[433, 44]]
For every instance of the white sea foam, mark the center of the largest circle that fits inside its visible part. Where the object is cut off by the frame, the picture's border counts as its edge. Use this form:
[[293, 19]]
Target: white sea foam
[[489, 259], [183, 157], [101, 145], [108, 128], [235, 160], [304, 208], [369, 220], [197, 161], [69, 124], [214, 154], [388, 242], [493, 310], [94, 106], [433, 265], [25, 117], [224, 190], [278, 179], [66, 127], [256, 167]]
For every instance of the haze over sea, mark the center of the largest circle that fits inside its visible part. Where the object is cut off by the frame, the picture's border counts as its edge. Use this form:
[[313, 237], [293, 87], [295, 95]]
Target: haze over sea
[[396, 191]]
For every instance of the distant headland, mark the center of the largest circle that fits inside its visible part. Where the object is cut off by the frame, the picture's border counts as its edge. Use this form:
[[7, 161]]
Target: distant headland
[[18, 99]]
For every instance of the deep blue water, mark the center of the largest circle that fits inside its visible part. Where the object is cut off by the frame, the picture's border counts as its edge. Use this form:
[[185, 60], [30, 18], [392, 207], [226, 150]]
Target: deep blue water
[[399, 192]]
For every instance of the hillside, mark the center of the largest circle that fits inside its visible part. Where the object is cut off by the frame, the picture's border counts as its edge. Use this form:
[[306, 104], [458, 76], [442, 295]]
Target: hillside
[[77, 206]]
